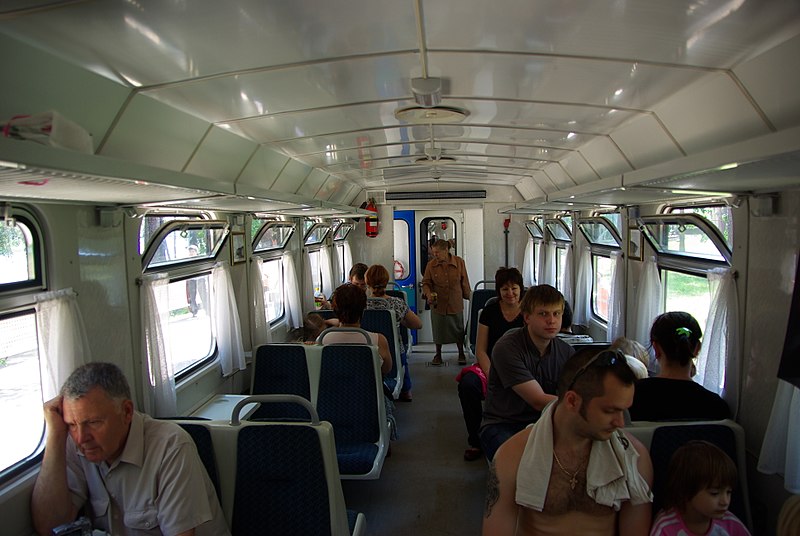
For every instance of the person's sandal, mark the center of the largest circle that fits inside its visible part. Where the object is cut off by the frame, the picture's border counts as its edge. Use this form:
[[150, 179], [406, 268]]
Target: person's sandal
[[472, 454], [437, 361], [462, 359]]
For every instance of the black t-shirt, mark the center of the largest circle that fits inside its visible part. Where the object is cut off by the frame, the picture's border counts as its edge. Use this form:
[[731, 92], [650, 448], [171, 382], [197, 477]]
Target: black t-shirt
[[666, 399], [492, 317]]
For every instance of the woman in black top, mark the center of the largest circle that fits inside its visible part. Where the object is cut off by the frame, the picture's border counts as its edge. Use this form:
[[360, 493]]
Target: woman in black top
[[496, 318], [672, 395]]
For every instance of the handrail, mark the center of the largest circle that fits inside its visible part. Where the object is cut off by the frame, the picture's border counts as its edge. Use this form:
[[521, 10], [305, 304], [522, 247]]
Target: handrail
[[271, 399]]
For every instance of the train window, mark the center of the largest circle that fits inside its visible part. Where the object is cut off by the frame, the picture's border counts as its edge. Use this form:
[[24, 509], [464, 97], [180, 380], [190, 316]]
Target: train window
[[271, 235], [687, 236], [20, 252], [534, 229], [558, 229], [567, 219], [317, 234], [720, 216], [600, 232], [561, 267], [191, 335], [614, 218], [686, 292], [20, 389], [402, 250], [272, 280], [342, 230], [601, 285], [184, 241], [151, 223], [316, 270]]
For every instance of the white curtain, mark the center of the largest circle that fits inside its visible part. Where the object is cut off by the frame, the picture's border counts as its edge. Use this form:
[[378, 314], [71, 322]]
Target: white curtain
[[528, 273], [616, 301], [780, 451], [568, 278], [718, 362], [648, 304], [225, 320], [291, 291], [307, 292], [581, 309], [261, 333], [548, 265], [348, 260], [63, 345], [336, 264], [327, 273], [160, 399]]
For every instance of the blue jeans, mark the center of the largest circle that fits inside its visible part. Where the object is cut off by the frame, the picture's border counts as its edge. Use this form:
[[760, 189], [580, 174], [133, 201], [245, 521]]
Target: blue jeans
[[494, 435]]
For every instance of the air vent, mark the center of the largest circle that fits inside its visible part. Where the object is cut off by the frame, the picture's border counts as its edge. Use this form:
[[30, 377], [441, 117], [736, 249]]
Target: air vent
[[377, 196], [450, 194]]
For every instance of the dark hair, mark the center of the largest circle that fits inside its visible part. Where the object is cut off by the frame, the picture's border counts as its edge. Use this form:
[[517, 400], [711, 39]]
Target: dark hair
[[377, 277], [566, 316], [540, 295], [588, 381], [358, 270], [678, 334], [695, 466], [349, 302], [507, 276], [106, 376]]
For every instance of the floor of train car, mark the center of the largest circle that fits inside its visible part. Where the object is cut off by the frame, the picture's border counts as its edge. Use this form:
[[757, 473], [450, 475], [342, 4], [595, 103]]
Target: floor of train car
[[425, 487]]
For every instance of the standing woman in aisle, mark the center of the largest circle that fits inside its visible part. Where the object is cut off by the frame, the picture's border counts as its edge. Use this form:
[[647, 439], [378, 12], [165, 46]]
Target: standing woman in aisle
[[445, 285]]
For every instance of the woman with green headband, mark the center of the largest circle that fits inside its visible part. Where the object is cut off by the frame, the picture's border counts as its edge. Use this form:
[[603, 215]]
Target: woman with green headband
[[673, 395]]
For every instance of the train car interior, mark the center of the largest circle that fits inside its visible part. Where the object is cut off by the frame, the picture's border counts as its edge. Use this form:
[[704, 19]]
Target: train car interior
[[182, 182]]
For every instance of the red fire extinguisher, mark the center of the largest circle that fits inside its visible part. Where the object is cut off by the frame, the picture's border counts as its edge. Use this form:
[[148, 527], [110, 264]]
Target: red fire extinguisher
[[372, 220]]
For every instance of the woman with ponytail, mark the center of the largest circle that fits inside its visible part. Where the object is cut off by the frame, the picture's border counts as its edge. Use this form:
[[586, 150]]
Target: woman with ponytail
[[672, 395]]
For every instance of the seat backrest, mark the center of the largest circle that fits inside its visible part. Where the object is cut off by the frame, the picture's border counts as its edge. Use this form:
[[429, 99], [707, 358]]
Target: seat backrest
[[664, 438], [280, 369], [201, 436], [403, 330], [281, 477], [477, 302], [383, 321], [350, 397]]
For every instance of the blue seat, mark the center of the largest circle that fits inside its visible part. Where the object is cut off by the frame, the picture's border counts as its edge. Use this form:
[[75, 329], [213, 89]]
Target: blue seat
[[280, 369], [477, 302], [201, 436], [403, 330], [282, 477], [383, 321], [664, 438], [350, 397]]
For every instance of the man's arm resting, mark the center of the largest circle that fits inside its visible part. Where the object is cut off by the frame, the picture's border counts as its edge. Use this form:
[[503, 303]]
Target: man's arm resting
[[532, 393], [51, 503]]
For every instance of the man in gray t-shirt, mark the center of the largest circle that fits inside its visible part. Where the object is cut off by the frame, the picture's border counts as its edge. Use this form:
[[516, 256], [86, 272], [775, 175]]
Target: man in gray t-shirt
[[526, 365]]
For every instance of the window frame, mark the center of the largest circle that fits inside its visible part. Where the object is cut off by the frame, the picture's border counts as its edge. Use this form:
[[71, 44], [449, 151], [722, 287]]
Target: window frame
[[319, 241], [39, 281], [271, 224], [607, 225], [184, 225], [686, 261], [18, 299]]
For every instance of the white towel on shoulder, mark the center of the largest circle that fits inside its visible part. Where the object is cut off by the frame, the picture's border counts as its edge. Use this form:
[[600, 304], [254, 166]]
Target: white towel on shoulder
[[611, 477]]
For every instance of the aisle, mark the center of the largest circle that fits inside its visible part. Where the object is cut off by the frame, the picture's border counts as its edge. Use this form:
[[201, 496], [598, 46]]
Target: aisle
[[426, 488]]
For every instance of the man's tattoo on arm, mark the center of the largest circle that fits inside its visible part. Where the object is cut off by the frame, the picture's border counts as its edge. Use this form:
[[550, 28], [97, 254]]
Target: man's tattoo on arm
[[492, 490]]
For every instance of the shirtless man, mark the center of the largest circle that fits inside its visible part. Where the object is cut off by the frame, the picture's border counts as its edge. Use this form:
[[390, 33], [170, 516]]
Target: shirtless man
[[538, 478]]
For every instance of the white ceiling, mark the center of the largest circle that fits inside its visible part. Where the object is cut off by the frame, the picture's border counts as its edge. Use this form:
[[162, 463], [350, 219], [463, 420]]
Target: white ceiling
[[559, 94]]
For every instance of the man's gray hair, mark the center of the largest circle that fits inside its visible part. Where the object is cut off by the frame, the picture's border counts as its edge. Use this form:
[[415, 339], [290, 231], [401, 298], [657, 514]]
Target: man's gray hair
[[106, 376]]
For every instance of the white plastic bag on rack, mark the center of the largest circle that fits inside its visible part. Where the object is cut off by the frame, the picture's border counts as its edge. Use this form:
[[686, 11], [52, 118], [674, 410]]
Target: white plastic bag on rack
[[49, 128]]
